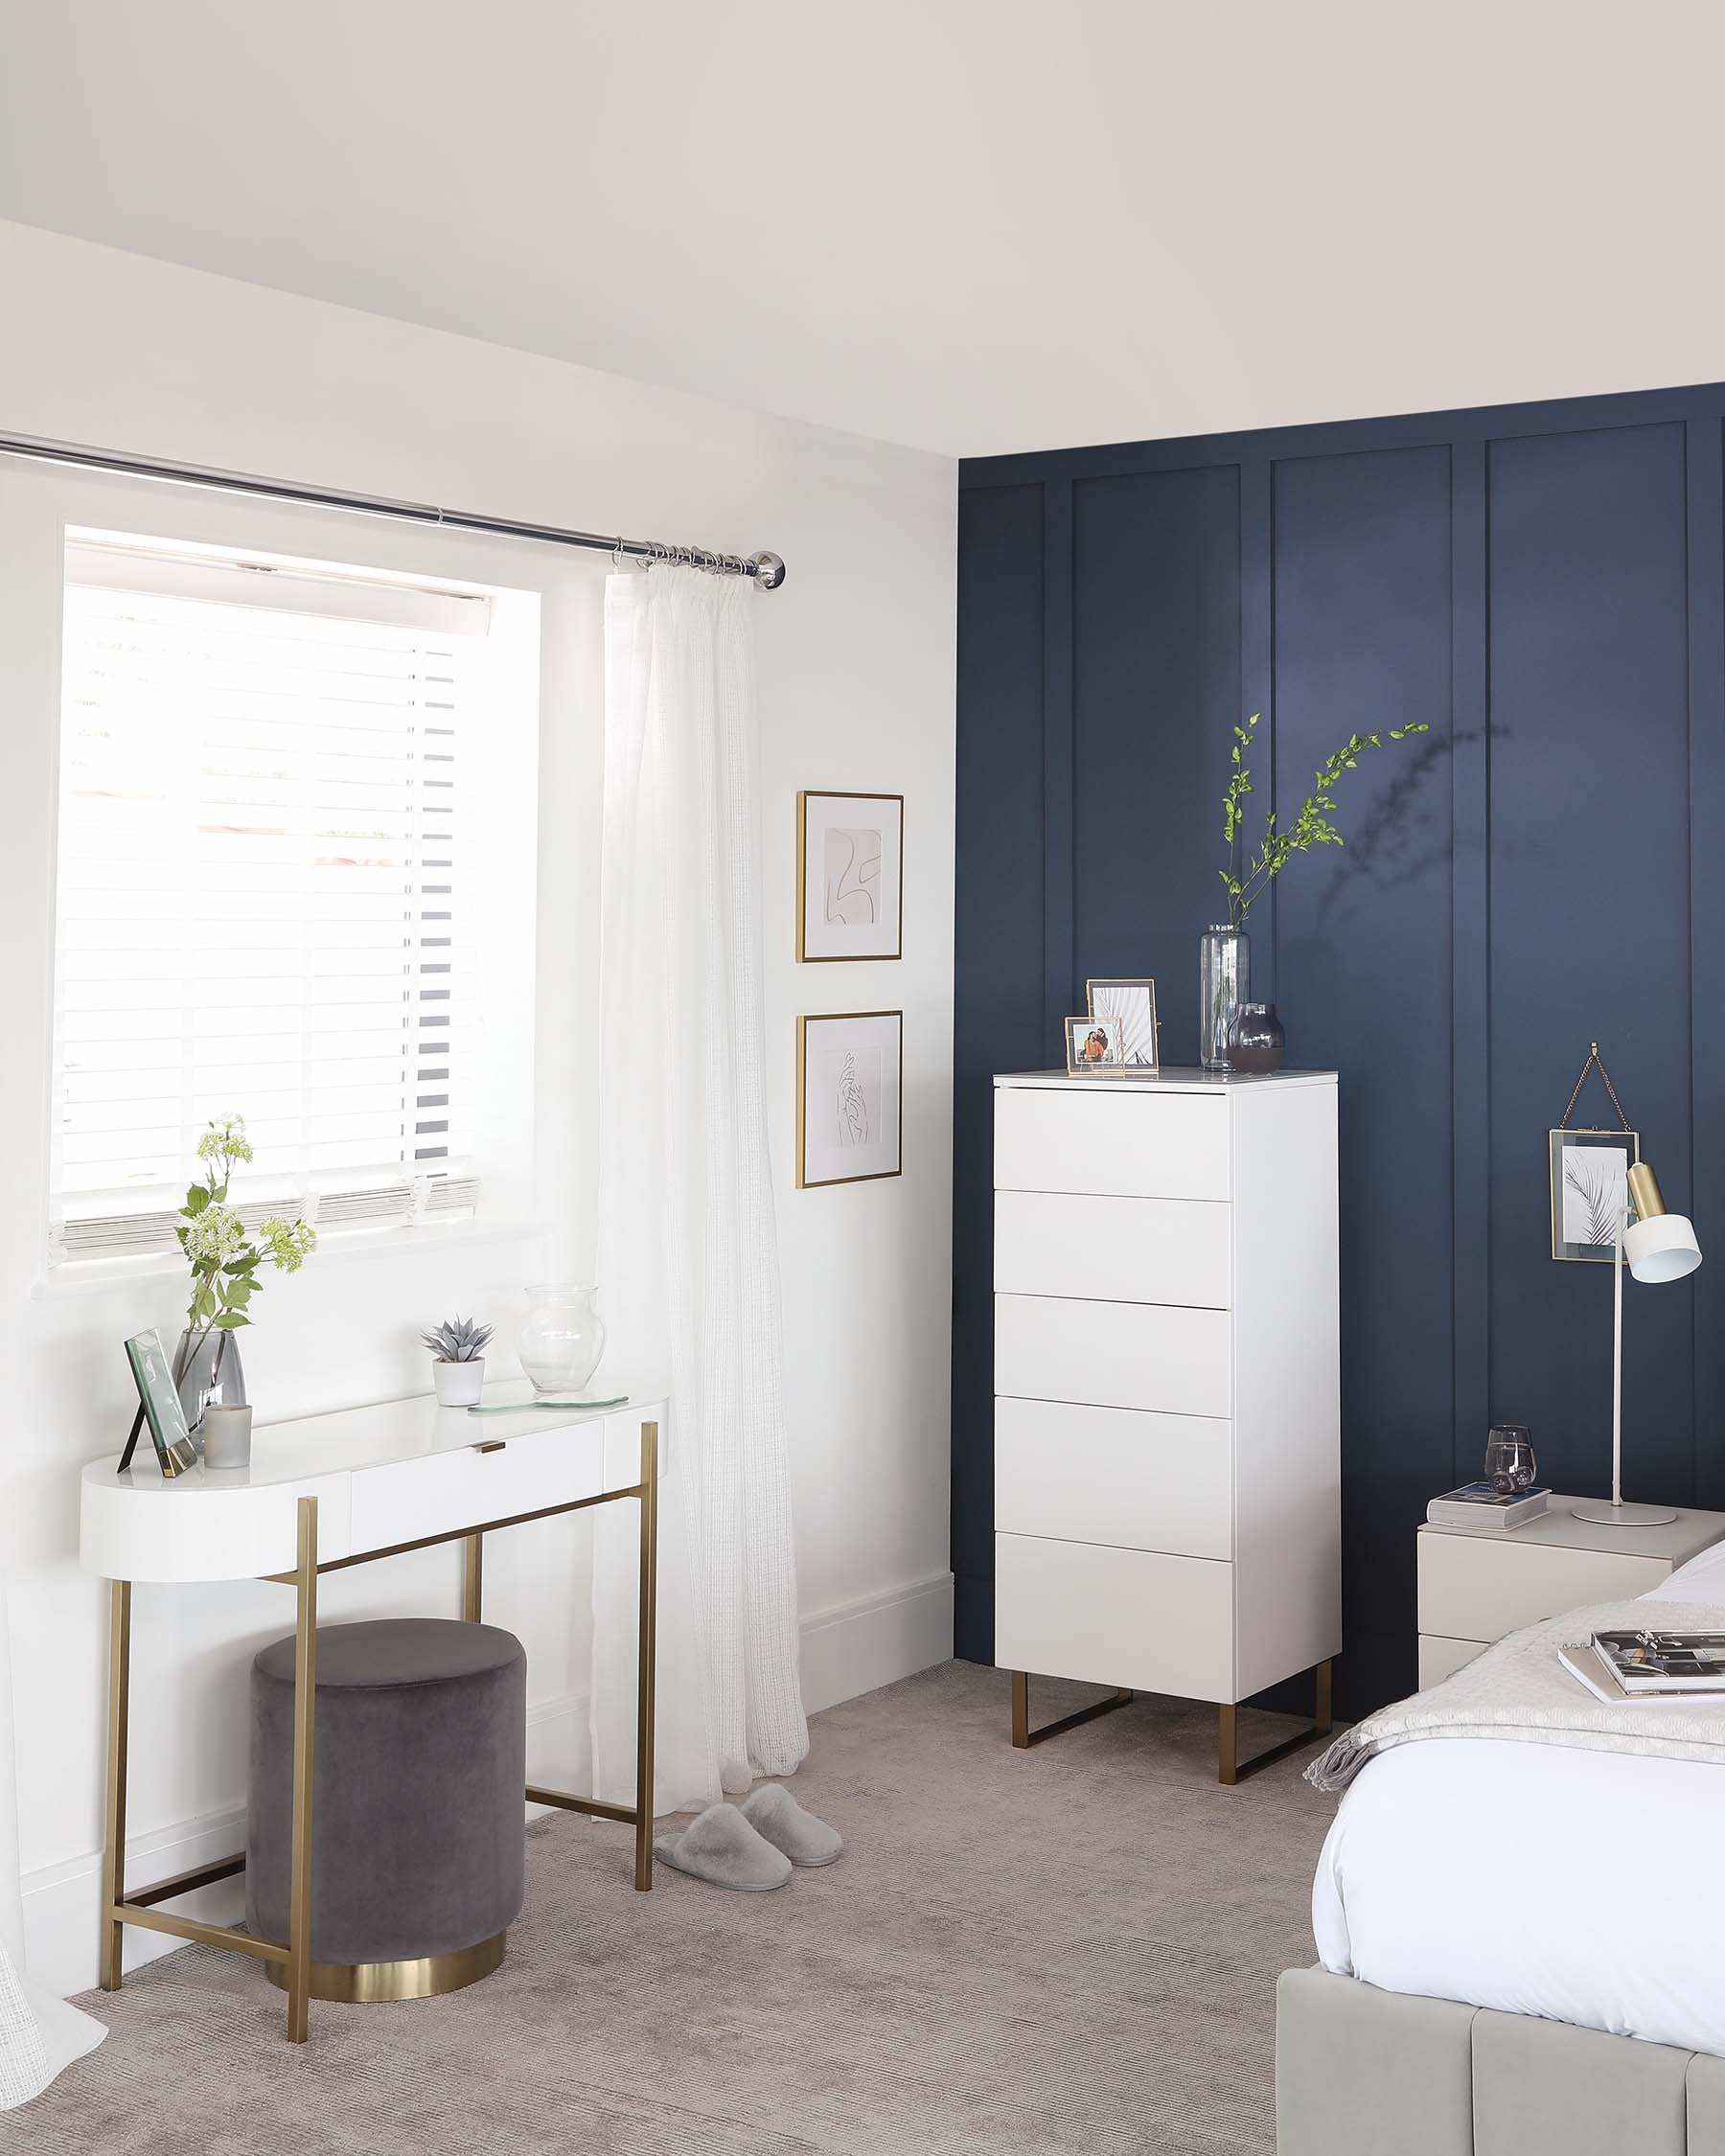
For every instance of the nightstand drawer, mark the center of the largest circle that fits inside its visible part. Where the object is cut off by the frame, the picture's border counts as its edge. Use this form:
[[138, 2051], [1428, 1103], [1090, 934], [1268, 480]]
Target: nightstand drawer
[[1472, 1587], [1439, 1659], [1113, 1354], [1113, 1145], [1107, 1475], [1114, 1617], [1112, 1249]]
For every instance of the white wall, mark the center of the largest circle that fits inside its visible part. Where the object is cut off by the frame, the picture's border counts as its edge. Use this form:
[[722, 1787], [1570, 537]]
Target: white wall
[[856, 667]]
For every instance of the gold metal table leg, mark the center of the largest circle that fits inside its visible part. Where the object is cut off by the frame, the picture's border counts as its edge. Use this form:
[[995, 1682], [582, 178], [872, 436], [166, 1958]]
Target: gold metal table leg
[[305, 1726], [113, 1858], [473, 1575], [645, 1652], [1231, 1768], [1024, 1736]]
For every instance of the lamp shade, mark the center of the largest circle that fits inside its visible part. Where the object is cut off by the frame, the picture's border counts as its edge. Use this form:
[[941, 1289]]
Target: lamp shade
[[1661, 1248]]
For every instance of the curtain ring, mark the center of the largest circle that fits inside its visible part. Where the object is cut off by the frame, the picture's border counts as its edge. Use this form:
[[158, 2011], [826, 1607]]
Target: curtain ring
[[617, 554]]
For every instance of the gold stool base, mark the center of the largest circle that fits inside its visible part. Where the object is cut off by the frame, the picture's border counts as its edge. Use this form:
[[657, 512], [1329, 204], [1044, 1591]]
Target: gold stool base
[[371, 1983]]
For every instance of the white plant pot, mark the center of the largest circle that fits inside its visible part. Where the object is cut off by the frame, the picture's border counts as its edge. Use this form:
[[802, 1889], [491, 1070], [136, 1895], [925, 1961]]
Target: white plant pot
[[458, 1384]]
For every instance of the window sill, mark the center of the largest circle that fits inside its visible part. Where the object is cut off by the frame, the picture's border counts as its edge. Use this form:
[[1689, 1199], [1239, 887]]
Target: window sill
[[95, 1276]]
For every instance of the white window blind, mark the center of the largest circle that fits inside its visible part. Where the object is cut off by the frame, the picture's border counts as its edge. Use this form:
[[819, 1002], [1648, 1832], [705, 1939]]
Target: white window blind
[[266, 893]]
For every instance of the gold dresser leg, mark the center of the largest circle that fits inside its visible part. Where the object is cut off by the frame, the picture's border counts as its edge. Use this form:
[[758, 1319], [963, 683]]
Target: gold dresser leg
[[1024, 1736], [1231, 1768], [305, 1724], [473, 1575], [113, 1856], [646, 1651]]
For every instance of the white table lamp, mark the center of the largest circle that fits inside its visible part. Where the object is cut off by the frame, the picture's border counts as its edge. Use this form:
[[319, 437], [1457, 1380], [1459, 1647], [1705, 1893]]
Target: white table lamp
[[1659, 1246]]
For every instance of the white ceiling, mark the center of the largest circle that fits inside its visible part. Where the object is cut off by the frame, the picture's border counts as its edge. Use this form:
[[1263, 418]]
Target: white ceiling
[[969, 225]]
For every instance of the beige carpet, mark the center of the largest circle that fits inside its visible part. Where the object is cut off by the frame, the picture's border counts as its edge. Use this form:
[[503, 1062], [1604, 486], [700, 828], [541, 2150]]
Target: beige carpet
[[1067, 1949]]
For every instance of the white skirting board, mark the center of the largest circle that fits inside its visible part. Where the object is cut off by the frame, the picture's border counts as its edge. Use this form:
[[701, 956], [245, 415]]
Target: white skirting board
[[848, 1650], [857, 1647]]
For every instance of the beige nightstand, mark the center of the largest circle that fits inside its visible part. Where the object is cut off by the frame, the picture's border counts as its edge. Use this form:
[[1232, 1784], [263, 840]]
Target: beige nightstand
[[1474, 1587]]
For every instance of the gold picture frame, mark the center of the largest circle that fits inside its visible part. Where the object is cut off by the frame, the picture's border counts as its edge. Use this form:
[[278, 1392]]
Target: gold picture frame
[[1136, 1007], [1580, 1189], [877, 1032], [892, 841]]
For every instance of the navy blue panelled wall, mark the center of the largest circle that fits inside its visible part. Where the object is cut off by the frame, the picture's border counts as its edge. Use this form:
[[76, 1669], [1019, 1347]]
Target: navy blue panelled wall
[[1543, 587]]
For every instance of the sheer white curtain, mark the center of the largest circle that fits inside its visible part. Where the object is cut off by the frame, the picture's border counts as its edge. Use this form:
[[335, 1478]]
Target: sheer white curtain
[[688, 1257], [40, 2035]]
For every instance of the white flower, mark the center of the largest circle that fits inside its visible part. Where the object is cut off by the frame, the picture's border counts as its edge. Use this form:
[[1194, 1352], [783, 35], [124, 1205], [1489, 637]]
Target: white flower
[[289, 1243], [225, 1141], [215, 1235]]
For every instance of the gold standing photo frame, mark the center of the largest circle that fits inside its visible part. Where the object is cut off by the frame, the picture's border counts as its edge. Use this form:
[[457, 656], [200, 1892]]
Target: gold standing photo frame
[[1133, 1002]]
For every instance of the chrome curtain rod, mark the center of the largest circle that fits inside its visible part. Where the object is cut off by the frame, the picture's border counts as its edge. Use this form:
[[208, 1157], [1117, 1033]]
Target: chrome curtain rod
[[767, 569]]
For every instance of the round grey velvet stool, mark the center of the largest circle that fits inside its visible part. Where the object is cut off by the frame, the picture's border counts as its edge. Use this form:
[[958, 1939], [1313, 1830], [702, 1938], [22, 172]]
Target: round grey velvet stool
[[419, 1776]]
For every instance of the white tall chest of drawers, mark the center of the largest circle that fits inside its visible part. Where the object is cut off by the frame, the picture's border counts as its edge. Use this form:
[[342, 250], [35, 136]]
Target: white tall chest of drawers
[[1167, 1489]]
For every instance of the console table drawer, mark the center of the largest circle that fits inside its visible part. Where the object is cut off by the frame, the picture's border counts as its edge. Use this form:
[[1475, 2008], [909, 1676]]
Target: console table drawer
[[1112, 1249], [1114, 1145], [1114, 1617], [1110, 1475], [1113, 1354], [463, 1487]]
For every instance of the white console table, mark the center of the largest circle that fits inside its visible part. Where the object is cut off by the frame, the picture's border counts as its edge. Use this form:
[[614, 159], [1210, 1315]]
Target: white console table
[[323, 1493]]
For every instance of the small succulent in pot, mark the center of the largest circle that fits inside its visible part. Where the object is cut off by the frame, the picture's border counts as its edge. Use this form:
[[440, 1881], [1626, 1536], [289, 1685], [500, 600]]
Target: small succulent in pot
[[458, 1372]]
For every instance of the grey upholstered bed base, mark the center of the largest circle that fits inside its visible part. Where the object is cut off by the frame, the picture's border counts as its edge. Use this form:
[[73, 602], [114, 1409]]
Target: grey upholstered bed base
[[1366, 2073]]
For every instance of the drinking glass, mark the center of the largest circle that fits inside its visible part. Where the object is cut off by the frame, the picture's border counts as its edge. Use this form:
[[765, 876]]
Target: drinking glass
[[1510, 1463]]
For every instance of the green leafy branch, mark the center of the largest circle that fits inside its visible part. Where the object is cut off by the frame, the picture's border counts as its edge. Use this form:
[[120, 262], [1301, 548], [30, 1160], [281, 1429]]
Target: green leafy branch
[[1247, 881], [223, 1258]]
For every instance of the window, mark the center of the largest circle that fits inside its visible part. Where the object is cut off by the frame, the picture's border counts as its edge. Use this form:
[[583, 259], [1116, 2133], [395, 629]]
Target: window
[[275, 843]]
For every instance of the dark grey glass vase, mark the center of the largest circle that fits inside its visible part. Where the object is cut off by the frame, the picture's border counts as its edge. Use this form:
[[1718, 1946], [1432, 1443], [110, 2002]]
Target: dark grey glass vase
[[207, 1373], [1256, 1041]]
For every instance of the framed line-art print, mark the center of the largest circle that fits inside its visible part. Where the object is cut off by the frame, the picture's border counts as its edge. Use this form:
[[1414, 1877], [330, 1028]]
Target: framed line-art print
[[1134, 1003], [1589, 1188], [849, 1097], [850, 876]]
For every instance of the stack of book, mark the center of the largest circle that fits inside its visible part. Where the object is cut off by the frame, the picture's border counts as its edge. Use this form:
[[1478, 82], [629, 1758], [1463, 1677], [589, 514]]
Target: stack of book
[[1477, 1504], [1622, 1665]]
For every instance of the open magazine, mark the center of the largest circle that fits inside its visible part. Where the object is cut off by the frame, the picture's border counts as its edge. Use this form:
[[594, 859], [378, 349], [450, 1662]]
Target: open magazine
[[1619, 1665]]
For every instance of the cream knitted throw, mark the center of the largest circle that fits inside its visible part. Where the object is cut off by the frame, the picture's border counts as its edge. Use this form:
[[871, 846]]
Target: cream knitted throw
[[1518, 1689]]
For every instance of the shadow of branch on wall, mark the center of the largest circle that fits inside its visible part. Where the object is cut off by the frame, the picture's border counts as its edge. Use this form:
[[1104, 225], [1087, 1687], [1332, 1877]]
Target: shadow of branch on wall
[[1402, 836]]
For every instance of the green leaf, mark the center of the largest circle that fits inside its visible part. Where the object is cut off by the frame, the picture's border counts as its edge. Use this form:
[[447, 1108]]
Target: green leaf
[[197, 1198]]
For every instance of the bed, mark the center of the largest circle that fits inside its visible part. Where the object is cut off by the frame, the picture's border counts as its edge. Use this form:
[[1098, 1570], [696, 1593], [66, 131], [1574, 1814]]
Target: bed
[[1487, 1940]]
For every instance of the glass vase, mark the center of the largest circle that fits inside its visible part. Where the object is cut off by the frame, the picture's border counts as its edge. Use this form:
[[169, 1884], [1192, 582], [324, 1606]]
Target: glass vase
[[562, 1340], [207, 1373], [1224, 983], [1256, 1041]]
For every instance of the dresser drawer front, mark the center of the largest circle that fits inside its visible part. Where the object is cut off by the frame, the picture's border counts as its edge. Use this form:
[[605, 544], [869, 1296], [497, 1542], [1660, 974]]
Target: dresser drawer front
[[1474, 1589], [1113, 1354], [443, 1491], [1113, 1249], [1110, 1475], [1114, 1617], [1112, 1144]]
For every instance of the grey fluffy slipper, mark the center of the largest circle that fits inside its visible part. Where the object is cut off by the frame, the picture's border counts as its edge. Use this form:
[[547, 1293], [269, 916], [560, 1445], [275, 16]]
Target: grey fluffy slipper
[[723, 1848], [776, 1816]]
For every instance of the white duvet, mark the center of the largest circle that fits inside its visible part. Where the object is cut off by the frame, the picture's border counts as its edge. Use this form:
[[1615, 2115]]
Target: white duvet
[[1588, 1887]]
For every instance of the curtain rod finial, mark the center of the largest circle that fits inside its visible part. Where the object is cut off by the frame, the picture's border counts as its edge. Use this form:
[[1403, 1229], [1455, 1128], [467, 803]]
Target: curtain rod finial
[[768, 570]]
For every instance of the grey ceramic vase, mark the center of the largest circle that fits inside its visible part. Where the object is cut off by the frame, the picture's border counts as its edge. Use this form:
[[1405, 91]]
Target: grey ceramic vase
[[1256, 1041]]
